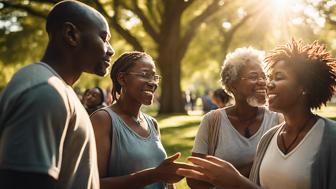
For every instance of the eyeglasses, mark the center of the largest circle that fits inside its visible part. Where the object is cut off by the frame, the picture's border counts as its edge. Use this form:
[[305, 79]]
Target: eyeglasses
[[145, 76], [254, 78]]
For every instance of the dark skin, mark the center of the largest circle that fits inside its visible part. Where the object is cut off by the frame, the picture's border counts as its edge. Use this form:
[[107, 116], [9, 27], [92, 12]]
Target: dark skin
[[134, 93], [62, 54], [290, 100], [242, 114], [216, 171], [286, 96]]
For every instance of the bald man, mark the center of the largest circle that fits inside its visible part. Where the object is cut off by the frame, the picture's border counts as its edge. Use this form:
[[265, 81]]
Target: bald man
[[46, 137]]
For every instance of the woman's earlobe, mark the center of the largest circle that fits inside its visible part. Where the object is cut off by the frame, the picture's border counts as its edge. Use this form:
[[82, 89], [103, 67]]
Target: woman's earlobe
[[121, 79]]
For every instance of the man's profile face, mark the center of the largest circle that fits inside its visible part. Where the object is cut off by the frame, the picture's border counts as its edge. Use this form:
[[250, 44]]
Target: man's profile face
[[96, 51]]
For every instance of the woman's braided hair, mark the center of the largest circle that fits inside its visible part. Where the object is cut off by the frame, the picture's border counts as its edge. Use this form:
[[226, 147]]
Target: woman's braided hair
[[122, 64]]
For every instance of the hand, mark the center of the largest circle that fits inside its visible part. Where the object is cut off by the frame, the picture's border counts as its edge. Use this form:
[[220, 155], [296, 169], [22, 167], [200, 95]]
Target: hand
[[167, 169], [215, 171], [198, 184]]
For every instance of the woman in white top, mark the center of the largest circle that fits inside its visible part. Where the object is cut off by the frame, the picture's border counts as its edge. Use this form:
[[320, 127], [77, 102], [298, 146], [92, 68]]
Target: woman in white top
[[243, 124], [300, 153]]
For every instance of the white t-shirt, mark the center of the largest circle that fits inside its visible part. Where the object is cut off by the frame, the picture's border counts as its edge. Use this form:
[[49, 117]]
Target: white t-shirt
[[291, 171], [232, 146]]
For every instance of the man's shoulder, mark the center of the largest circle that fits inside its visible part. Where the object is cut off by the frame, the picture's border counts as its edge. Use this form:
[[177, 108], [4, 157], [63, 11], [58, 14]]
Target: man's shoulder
[[32, 83], [31, 76]]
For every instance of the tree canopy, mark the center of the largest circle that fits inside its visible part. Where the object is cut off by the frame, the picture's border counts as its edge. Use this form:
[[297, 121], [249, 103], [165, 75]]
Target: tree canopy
[[189, 39]]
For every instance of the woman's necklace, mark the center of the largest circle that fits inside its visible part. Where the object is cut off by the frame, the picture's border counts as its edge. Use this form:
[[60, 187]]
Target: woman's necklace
[[137, 120], [287, 148], [247, 132], [249, 122]]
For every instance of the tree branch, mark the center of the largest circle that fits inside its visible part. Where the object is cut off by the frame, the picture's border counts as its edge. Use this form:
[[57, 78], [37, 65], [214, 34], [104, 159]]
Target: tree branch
[[159, 8], [124, 32], [196, 22], [46, 1], [240, 23], [29, 10], [101, 9], [186, 4], [155, 17], [145, 22]]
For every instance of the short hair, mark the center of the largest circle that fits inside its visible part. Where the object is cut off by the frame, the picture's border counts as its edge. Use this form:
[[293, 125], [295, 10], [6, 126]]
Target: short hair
[[102, 95], [315, 69], [72, 11], [123, 64], [222, 95], [235, 61]]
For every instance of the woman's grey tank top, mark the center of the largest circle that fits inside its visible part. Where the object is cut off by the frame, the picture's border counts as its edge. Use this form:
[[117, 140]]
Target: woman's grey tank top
[[131, 152]]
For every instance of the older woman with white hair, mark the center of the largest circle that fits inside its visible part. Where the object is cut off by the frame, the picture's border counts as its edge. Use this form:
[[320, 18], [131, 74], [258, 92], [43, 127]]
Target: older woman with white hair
[[232, 133]]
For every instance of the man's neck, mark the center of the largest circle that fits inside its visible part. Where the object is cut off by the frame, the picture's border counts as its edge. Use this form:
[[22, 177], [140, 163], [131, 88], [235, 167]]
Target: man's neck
[[63, 67]]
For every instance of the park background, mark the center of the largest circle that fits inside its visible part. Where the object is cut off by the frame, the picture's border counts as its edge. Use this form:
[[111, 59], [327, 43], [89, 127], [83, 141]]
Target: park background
[[188, 40]]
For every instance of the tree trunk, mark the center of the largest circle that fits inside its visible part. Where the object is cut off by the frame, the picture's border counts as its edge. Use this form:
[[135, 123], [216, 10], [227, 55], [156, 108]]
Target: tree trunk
[[169, 61], [171, 100]]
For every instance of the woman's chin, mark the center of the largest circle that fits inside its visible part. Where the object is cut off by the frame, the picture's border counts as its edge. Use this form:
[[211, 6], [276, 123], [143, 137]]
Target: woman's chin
[[256, 101], [147, 102]]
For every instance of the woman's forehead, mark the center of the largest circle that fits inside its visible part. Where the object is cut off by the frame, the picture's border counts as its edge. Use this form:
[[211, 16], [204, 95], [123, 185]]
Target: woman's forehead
[[144, 63], [251, 68]]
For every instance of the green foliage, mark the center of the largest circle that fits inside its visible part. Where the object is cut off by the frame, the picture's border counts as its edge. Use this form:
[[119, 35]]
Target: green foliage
[[201, 64], [178, 134]]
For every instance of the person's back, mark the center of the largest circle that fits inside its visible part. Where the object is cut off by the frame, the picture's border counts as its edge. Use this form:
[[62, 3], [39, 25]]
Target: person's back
[[207, 103], [28, 141], [46, 137]]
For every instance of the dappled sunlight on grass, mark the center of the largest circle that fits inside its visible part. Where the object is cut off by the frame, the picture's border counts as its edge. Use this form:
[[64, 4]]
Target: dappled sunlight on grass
[[178, 134], [177, 120]]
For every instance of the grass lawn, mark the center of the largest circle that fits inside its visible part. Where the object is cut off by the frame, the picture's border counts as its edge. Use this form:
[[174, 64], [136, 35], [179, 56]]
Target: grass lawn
[[178, 132]]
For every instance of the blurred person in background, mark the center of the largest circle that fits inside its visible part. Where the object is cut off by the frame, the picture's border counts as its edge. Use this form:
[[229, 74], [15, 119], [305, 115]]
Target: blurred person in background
[[220, 98], [93, 99]]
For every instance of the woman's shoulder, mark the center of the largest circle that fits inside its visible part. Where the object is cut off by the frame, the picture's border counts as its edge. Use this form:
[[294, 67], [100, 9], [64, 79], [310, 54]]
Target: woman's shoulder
[[268, 135], [149, 117], [277, 117], [101, 121], [330, 127], [269, 112], [330, 122]]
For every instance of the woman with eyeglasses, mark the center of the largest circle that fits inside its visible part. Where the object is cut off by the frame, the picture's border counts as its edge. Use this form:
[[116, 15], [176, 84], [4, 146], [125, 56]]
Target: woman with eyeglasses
[[299, 153], [130, 153], [242, 124]]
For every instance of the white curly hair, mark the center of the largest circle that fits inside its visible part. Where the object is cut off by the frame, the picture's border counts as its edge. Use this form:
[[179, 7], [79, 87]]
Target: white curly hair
[[236, 60]]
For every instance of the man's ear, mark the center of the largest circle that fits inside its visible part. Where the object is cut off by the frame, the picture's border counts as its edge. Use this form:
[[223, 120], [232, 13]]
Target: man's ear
[[71, 34]]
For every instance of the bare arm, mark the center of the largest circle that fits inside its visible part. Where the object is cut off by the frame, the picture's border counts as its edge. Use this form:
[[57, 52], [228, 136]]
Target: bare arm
[[198, 184], [245, 169], [17, 180], [217, 172], [166, 171]]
